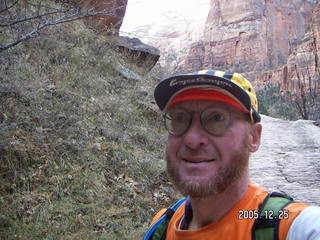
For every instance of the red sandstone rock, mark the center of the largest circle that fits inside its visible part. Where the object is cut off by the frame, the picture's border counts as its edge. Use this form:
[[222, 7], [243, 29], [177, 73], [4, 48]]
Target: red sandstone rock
[[144, 56], [268, 41], [250, 34], [302, 64], [111, 22]]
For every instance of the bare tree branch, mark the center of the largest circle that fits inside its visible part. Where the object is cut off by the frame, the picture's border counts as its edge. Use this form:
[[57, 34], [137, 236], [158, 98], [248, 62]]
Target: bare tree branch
[[32, 34], [30, 18], [44, 16], [9, 7], [306, 93]]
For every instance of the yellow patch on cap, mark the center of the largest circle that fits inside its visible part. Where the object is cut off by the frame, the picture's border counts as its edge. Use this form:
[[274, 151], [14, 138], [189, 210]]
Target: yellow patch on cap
[[246, 85]]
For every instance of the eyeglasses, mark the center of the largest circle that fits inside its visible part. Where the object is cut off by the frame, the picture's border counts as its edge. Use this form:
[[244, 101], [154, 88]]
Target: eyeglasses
[[214, 120]]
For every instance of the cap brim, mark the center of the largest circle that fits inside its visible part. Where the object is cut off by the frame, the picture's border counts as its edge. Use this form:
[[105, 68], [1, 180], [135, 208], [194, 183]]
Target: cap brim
[[169, 87]]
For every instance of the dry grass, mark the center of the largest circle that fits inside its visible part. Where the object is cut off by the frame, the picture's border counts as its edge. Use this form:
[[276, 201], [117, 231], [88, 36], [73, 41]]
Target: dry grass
[[81, 147]]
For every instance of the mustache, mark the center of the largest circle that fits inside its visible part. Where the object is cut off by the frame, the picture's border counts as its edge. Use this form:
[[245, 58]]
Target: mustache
[[185, 152]]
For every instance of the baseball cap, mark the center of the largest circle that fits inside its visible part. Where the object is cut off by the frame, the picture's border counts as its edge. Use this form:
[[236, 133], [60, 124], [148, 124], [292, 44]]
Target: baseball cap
[[229, 87]]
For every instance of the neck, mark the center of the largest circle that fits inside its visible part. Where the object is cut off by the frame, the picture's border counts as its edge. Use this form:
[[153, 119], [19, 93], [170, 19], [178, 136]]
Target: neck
[[212, 208]]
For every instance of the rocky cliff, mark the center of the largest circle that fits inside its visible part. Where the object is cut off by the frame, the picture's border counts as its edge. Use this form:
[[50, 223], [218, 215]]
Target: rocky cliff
[[250, 35], [267, 40], [112, 20], [270, 42], [253, 33], [303, 62]]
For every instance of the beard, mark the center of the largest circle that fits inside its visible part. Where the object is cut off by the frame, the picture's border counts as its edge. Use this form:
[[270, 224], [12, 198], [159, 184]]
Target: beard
[[196, 187]]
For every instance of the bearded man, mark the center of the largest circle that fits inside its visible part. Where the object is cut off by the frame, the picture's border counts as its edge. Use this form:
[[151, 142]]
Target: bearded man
[[213, 125]]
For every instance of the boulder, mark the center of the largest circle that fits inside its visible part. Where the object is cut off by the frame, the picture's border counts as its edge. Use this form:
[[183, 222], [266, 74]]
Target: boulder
[[142, 55], [109, 22], [127, 73]]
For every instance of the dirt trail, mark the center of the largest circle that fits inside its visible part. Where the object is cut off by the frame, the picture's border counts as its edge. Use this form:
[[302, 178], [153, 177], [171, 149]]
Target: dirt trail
[[289, 159]]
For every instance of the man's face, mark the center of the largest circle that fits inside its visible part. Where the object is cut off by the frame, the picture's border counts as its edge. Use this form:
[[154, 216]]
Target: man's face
[[201, 164]]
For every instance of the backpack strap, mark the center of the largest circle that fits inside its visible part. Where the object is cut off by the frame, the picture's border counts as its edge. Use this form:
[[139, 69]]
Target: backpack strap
[[158, 229], [266, 226]]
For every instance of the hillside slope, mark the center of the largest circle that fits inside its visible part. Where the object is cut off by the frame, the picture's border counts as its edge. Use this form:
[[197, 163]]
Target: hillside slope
[[79, 143]]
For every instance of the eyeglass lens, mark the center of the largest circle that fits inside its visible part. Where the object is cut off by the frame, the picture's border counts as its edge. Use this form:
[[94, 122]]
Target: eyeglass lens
[[214, 120]]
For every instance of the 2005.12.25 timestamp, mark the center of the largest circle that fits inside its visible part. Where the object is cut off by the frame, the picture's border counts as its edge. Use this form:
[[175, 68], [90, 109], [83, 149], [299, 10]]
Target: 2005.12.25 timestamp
[[268, 214]]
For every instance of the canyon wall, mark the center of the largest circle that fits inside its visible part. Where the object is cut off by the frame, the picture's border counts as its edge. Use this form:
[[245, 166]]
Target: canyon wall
[[256, 33], [267, 40], [301, 72], [302, 68]]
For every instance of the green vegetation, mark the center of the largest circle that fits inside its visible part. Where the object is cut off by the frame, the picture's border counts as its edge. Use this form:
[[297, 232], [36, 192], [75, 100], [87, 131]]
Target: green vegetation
[[81, 147], [273, 104], [301, 104]]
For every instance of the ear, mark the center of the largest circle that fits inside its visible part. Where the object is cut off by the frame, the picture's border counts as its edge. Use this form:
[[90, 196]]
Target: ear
[[255, 137]]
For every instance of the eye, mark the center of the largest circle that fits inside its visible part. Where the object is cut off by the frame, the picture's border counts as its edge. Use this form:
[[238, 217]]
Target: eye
[[179, 117], [177, 121], [215, 121], [215, 116]]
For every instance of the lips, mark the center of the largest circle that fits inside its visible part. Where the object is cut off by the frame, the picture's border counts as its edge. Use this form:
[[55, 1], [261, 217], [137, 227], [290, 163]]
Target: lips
[[197, 160]]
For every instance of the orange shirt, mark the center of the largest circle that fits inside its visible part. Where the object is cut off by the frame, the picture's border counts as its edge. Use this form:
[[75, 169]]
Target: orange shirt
[[230, 226]]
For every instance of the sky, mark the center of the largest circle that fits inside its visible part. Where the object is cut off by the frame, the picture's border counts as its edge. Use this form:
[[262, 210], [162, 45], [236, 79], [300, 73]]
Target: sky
[[149, 12]]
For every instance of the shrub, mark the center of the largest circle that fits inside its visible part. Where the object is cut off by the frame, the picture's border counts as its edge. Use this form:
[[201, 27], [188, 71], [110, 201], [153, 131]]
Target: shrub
[[273, 104]]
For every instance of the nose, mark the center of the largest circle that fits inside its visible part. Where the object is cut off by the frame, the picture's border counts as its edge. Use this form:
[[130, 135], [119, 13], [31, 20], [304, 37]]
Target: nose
[[196, 136]]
